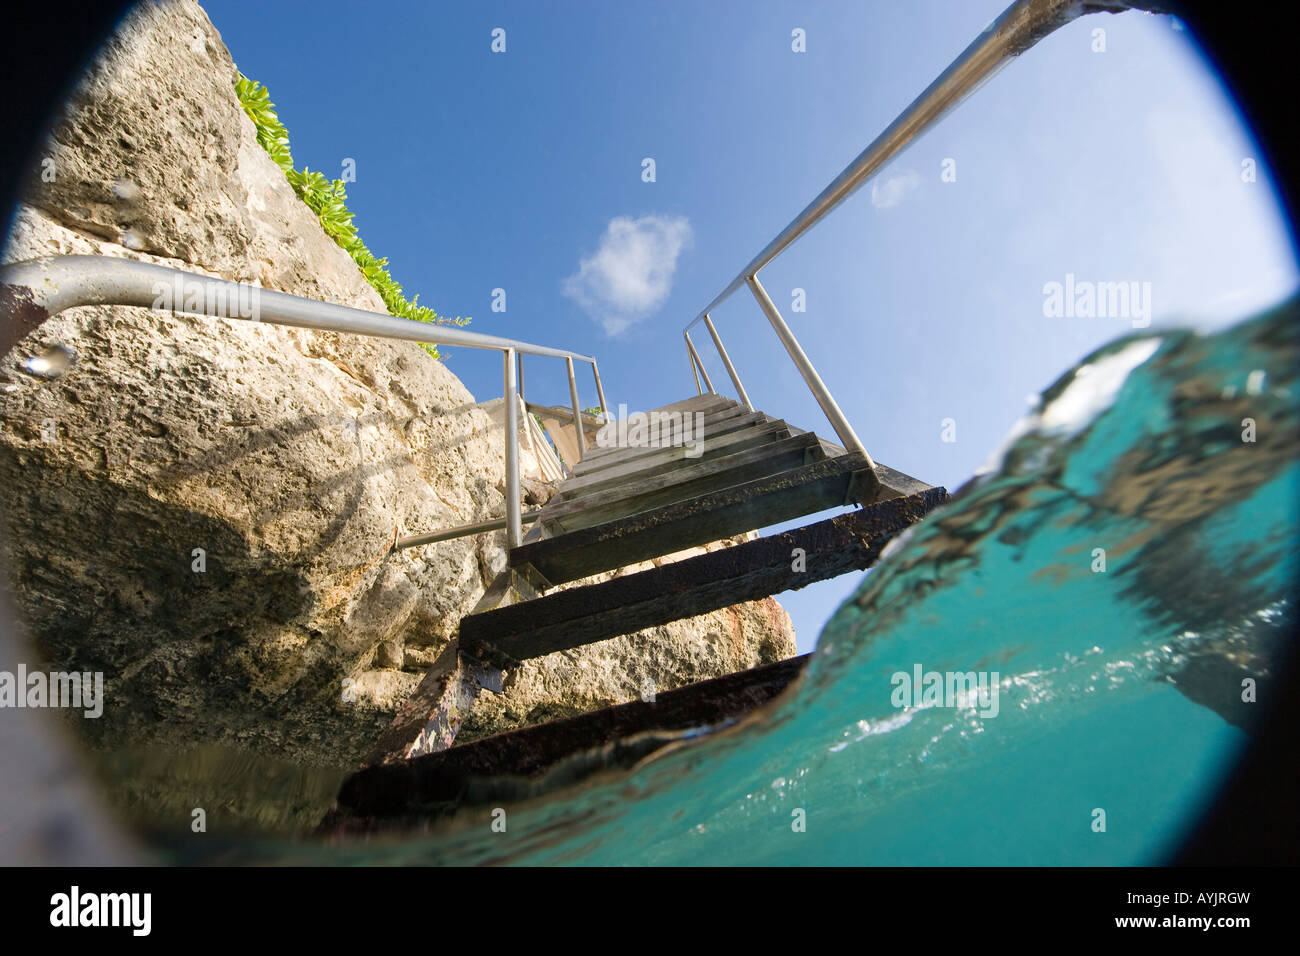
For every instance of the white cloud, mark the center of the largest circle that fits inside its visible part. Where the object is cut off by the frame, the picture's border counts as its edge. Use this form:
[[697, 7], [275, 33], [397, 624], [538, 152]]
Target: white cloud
[[894, 189], [631, 274]]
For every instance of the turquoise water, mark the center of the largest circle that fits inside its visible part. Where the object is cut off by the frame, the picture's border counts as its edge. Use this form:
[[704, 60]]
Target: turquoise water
[[1118, 690]]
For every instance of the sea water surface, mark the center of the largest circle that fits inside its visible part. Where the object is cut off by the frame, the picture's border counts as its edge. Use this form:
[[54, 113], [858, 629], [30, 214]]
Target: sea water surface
[[1123, 569]]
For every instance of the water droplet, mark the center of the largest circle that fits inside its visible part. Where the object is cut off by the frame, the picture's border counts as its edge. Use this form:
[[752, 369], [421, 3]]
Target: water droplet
[[126, 190], [132, 239], [52, 363]]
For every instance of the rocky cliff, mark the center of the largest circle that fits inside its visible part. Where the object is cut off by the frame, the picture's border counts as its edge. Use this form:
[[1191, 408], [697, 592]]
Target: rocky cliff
[[291, 458]]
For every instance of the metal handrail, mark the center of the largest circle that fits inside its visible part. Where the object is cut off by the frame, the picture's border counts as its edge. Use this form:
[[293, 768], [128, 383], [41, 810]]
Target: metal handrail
[[460, 531], [696, 363], [577, 410], [726, 363], [63, 282], [39, 288], [1019, 27]]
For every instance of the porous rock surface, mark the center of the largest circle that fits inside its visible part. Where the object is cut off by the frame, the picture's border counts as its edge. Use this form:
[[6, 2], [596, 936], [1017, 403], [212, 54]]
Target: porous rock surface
[[290, 458]]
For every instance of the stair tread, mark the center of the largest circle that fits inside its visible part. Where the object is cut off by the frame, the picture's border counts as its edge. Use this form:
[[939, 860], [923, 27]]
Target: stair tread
[[701, 421], [399, 794], [712, 407], [709, 517], [722, 423], [676, 456], [694, 402], [640, 493], [743, 572]]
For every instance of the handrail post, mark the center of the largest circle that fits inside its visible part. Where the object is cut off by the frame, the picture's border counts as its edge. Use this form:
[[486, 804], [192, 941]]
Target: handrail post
[[731, 369], [695, 356], [695, 372], [520, 361], [514, 524], [600, 393], [577, 411], [815, 384]]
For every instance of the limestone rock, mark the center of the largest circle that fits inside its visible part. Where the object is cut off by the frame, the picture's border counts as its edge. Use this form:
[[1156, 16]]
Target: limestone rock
[[203, 509]]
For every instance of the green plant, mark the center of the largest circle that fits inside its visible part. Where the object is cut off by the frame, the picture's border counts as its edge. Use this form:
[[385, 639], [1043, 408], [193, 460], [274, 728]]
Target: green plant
[[328, 200]]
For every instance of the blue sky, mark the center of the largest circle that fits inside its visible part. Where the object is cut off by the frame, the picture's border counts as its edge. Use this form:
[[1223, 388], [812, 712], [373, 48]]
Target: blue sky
[[924, 298]]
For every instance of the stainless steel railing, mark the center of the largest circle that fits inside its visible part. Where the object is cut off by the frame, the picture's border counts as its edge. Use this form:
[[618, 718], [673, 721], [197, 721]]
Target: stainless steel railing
[[1019, 27], [39, 288]]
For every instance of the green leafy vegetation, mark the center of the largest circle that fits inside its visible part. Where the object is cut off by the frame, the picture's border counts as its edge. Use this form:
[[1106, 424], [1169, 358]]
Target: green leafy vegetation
[[328, 200]]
